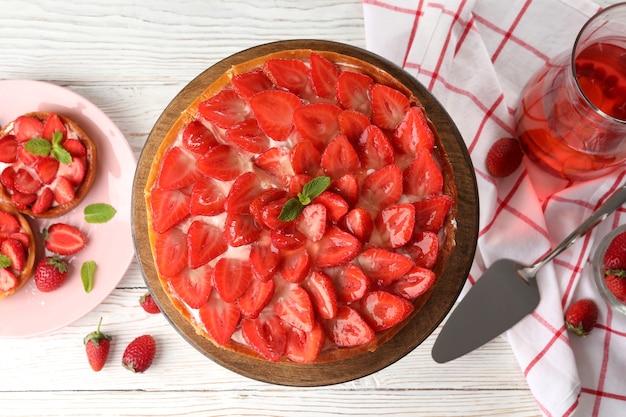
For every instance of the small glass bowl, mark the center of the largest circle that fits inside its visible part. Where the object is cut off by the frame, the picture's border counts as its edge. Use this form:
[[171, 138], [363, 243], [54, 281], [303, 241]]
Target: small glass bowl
[[598, 260]]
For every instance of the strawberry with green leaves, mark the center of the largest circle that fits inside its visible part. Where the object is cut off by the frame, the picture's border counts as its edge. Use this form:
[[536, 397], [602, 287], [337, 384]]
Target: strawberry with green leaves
[[97, 346], [50, 273], [581, 317], [148, 304]]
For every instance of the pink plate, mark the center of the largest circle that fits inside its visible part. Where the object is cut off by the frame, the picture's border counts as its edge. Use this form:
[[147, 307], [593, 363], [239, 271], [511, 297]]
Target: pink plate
[[30, 312]]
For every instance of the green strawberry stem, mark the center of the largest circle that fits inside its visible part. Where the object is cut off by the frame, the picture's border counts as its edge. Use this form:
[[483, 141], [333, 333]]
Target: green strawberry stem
[[97, 335]]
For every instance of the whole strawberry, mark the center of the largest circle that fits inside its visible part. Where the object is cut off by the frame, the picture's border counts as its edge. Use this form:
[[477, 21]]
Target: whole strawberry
[[504, 157], [97, 346], [149, 305], [581, 317], [614, 267], [50, 273], [139, 354]]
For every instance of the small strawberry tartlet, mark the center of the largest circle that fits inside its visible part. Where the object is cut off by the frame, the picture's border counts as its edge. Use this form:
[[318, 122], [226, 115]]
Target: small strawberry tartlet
[[17, 250], [47, 163]]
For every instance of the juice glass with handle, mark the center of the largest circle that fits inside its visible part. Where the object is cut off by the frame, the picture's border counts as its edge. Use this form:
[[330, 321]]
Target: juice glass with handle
[[571, 120]]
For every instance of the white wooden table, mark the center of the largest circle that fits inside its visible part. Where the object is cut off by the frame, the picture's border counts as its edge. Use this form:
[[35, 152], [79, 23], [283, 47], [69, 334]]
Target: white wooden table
[[131, 58]]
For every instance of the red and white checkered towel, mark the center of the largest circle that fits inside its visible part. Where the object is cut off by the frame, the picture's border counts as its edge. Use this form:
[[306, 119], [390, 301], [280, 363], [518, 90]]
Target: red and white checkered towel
[[476, 56]]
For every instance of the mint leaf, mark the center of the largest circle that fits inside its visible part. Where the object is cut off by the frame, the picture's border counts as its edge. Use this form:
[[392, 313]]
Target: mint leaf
[[314, 188], [99, 213], [58, 151], [87, 271], [5, 261], [38, 146], [291, 210]]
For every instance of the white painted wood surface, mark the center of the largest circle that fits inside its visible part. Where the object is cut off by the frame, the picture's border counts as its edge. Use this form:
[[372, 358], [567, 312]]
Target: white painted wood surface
[[131, 58]]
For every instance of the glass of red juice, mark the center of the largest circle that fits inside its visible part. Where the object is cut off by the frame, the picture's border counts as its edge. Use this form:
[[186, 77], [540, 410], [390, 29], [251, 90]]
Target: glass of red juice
[[571, 120]]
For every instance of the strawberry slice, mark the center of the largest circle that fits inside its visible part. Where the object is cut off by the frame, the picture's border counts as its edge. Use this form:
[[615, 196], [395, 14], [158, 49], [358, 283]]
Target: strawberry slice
[[293, 305], [375, 150], [197, 138], [352, 124], [358, 222], [290, 74], [353, 92], [381, 188], [413, 133], [46, 168], [276, 162], [273, 110], [336, 248], [26, 157], [8, 280], [207, 198], [350, 282], [8, 149], [8, 223], [251, 82], [339, 158], [415, 283], [256, 298], [305, 158], [74, 171], [220, 319], [270, 213], [266, 335], [312, 221], [169, 208], [15, 251], [382, 266], [240, 229], [43, 202], [347, 187], [23, 238], [335, 205], [225, 109], [75, 148], [245, 188], [348, 328], [262, 199], [324, 75], [63, 191], [423, 177], [304, 347], [297, 183], [204, 243], [264, 261], [178, 170], [64, 239], [388, 106], [22, 201], [231, 278], [423, 249], [395, 224], [221, 162], [193, 286], [294, 265], [322, 292], [7, 178], [26, 127], [317, 122], [431, 213], [382, 310], [248, 136], [170, 251], [287, 238], [53, 124], [25, 182]]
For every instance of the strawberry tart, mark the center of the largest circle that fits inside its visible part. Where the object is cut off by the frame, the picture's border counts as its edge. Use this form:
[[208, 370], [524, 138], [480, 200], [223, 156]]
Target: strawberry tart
[[17, 250], [47, 163], [301, 209]]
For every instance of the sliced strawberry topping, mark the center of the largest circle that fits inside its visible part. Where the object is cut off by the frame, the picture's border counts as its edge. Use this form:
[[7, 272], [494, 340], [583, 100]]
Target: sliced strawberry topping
[[413, 133], [74, 171], [382, 310], [305, 158], [169, 208], [193, 286], [317, 122], [8, 280], [375, 150], [75, 148], [204, 243], [46, 169], [388, 106], [198, 138], [304, 347], [276, 162], [270, 213], [266, 335], [26, 157], [23, 238], [262, 199], [26, 127], [15, 251], [431, 213], [257, 296], [415, 283], [22, 201], [352, 124], [287, 238], [264, 261], [170, 251], [225, 109], [395, 224], [423, 249], [339, 158], [423, 177], [381, 188], [245, 188], [207, 198], [8, 149], [53, 124], [293, 306], [324, 75], [353, 92], [335, 205], [297, 183], [350, 282], [273, 110], [383, 266], [348, 328], [336, 248], [8, 223], [347, 187], [63, 191], [359, 223], [43, 202], [291, 74], [64, 239], [248, 136], [312, 221], [220, 319], [178, 170], [7, 178], [231, 278], [25, 182], [294, 265], [322, 292], [220, 162], [241, 229], [250, 83]]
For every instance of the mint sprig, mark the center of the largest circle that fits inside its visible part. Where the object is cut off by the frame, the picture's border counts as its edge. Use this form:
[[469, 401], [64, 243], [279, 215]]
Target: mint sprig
[[294, 206], [44, 147], [5, 261]]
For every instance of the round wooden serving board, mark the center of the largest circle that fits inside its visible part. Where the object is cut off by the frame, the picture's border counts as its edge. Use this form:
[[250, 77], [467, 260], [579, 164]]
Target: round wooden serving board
[[417, 330]]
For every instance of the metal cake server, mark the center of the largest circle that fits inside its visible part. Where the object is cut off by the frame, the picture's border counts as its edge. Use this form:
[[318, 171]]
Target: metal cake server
[[504, 294]]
